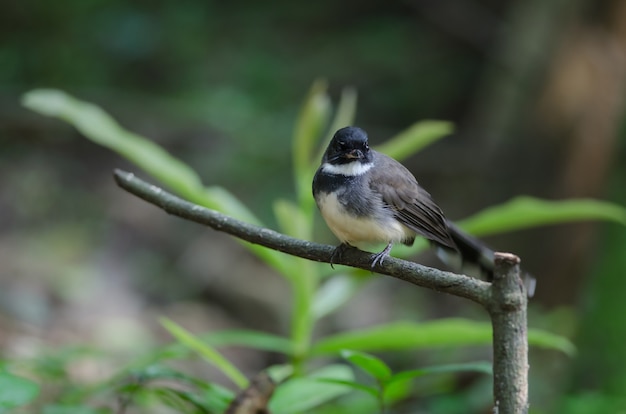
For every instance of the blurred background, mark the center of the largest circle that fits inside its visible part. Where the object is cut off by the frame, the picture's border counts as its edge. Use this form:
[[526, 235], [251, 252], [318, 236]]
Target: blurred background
[[535, 89]]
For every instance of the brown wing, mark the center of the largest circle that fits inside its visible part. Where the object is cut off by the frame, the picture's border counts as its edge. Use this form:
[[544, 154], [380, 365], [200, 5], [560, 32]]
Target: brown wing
[[411, 204]]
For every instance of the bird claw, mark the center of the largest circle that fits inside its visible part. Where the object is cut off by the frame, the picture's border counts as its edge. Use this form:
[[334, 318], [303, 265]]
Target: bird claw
[[338, 253], [379, 258]]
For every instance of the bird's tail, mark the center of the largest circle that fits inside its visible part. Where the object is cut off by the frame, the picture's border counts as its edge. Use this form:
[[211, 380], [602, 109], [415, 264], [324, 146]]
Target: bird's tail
[[476, 258]]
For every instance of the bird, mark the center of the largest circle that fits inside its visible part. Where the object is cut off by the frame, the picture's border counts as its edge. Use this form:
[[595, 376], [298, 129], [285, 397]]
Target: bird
[[365, 196]]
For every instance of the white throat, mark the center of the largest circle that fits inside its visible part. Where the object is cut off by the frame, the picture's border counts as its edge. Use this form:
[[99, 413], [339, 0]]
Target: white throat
[[350, 169]]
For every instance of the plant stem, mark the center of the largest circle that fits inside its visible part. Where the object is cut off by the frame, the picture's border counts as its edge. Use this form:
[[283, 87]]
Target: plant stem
[[302, 323]]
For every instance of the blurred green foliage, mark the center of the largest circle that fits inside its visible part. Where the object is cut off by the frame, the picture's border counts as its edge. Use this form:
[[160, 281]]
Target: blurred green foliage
[[316, 290], [16, 391], [184, 71]]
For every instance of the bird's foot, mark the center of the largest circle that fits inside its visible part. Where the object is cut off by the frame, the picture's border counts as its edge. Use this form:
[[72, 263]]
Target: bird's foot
[[338, 253], [380, 257]]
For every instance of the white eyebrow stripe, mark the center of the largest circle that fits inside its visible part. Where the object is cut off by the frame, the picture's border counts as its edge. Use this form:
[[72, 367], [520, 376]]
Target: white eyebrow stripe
[[351, 169]]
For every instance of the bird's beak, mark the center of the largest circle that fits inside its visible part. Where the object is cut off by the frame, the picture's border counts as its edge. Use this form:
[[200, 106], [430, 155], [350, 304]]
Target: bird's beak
[[355, 154]]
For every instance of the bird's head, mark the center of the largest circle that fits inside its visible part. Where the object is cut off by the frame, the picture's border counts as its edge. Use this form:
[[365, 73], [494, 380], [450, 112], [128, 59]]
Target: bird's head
[[348, 145]]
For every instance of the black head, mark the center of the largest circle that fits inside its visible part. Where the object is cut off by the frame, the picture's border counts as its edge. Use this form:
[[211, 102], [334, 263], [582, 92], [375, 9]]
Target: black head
[[348, 144]]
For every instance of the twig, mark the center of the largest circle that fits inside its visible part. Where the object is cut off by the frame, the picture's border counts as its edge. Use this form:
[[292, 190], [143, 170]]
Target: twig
[[505, 299]]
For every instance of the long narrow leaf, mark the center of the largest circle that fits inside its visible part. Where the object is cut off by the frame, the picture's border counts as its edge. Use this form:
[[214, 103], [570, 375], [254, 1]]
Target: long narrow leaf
[[344, 116], [369, 363], [251, 339], [334, 293], [305, 393], [373, 391], [414, 138], [98, 126], [292, 219], [206, 351], [101, 128], [481, 366], [443, 332], [309, 126], [525, 212]]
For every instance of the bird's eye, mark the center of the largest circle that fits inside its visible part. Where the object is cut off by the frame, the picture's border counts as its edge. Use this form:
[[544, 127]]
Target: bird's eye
[[341, 145]]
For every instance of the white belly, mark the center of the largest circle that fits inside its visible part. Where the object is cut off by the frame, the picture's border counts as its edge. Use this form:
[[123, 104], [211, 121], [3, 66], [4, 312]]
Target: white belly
[[351, 229]]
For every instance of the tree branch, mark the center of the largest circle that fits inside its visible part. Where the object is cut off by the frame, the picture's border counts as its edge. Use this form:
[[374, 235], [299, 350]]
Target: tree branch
[[458, 285], [505, 299], [507, 309]]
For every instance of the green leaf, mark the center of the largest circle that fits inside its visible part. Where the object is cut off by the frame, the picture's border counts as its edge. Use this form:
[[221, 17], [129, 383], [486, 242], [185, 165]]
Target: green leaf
[[101, 128], [292, 220], [373, 391], [16, 391], [344, 116], [414, 138], [220, 199], [442, 332], [248, 338], [334, 293], [311, 121], [209, 396], [206, 351], [279, 373], [395, 391], [305, 393], [480, 366], [368, 363], [407, 335], [525, 212], [548, 340], [159, 372], [217, 398], [186, 401]]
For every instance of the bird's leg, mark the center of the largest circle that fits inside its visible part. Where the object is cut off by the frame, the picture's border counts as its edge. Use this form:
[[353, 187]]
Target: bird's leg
[[380, 257], [338, 252]]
